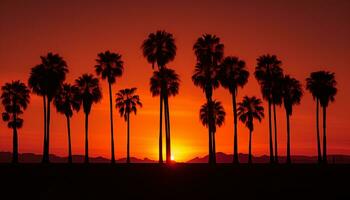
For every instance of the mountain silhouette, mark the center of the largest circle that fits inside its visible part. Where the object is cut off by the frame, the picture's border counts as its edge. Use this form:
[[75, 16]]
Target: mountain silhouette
[[6, 157]]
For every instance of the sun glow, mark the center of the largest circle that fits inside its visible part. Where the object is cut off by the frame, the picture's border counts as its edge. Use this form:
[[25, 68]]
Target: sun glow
[[172, 157]]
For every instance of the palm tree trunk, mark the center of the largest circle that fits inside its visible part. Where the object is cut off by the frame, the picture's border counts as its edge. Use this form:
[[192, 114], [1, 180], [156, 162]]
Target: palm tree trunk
[[235, 136], [324, 136], [250, 148], [111, 118], [47, 159], [86, 138], [275, 127], [161, 129], [289, 161], [167, 134], [270, 134], [319, 155], [44, 145], [70, 159], [15, 142], [168, 125], [214, 148], [210, 135], [128, 141]]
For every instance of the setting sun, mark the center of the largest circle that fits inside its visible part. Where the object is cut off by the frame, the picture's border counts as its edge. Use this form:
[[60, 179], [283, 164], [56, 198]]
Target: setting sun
[[172, 157]]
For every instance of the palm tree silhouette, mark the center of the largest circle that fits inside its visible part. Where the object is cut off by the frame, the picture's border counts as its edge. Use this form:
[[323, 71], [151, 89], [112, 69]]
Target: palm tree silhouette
[[322, 85], [159, 49], [110, 66], [89, 92], [233, 74], [15, 99], [209, 52], [66, 101], [292, 93], [46, 80], [249, 109], [218, 114], [267, 72], [127, 102]]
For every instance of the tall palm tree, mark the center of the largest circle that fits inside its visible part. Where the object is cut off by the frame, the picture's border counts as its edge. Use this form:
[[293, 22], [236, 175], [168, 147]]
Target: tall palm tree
[[15, 99], [127, 102], [322, 85], [66, 101], [277, 80], [209, 52], [165, 80], [266, 71], [110, 66], [292, 93], [233, 74], [46, 80], [217, 111], [89, 92], [159, 49], [249, 109]]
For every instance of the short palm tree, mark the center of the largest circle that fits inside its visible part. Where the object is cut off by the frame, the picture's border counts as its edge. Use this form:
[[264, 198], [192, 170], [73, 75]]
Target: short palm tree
[[249, 109], [66, 101], [127, 102], [46, 79], [110, 66], [217, 111], [322, 85], [233, 74], [89, 92], [209, 52], [266, 72], [292, 93], [159, 49], [15, 99]]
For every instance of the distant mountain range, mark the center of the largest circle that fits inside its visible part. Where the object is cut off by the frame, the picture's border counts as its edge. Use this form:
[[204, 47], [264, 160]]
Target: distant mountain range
[[6, 157]]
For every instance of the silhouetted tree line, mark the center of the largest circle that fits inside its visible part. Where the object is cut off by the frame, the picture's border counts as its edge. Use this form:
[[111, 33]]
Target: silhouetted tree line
[[212, 69]]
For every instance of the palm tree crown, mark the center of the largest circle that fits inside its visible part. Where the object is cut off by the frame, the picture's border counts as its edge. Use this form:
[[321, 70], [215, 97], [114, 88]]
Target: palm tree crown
[[67, 100], [249, 109], [109, 66], [89, 90], [267, 72], [15, 99], [127, 102], [233, 73], [322, 85], [159, 48], [47, 77], [167, 77], [216, 109], [208, 49], [292, 92]]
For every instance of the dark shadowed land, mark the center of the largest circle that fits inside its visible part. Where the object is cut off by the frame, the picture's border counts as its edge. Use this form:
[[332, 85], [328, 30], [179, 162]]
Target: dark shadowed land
[[176, 181]]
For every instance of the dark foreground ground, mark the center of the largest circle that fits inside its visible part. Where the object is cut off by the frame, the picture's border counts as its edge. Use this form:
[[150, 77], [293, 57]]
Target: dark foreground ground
[[178, 181]]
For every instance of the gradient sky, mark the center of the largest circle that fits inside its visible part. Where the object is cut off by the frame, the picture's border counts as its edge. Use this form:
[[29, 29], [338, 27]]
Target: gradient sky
[[306, 35]]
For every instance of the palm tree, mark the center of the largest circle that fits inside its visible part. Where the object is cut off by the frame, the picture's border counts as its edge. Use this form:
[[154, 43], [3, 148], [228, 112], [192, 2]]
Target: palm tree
[[249, 109], [218, 114], [127, 102], [209, 52], [15, 99], [89, 92], [110, 66], [233, 74], [159, 48], [46, 80], [165, 80], [322, 85], [292, 93], [266, 72], [66, 101]]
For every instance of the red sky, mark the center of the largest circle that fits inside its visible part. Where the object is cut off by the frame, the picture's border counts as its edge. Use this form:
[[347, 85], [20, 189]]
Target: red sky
[[305, 35]]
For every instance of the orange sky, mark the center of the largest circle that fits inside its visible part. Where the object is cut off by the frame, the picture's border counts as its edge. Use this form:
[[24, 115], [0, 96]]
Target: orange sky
[[305, 35]]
